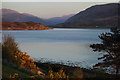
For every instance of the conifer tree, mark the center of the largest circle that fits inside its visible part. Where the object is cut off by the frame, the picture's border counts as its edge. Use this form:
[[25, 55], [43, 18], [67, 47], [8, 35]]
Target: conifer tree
[[110, 50]]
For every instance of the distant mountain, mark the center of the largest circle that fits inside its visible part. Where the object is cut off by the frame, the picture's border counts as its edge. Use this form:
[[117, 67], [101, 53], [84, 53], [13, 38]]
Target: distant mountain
[[57, 20], [106, 15], [23, 26], [14, 16]]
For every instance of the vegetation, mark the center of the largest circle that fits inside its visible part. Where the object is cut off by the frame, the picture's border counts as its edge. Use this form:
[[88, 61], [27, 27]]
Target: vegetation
[[110, 47], [60, 74], [9, 70], [24, 61], [72, 72], [9, 47], [23, 26], [15, 61]]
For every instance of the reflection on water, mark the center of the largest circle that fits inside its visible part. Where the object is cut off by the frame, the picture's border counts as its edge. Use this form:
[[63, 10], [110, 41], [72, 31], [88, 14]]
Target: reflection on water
[[61, 51], [59, 44]]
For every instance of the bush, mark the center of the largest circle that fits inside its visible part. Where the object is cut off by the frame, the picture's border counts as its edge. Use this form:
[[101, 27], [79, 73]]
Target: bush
[[9, 47], [57, 75], [12, 54], [24, 61]]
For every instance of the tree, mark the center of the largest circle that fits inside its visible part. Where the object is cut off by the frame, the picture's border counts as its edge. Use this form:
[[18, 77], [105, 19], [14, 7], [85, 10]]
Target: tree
[[110, 48]]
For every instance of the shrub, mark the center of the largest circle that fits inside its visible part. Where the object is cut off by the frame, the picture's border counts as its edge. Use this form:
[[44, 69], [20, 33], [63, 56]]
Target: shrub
[[9, 47], [15, 75], [12, 53], [24, 61], [57, 75], [78, 73]]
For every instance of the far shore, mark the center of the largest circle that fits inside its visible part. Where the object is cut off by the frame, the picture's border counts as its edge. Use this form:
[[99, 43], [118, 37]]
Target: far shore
[[25, 29], [51, 28]]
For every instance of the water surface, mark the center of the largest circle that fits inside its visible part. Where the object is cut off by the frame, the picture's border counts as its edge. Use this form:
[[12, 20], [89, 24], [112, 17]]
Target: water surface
[[59, 44]]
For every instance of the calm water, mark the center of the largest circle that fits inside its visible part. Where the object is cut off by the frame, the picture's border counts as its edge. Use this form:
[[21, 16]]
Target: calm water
[[59, 44]]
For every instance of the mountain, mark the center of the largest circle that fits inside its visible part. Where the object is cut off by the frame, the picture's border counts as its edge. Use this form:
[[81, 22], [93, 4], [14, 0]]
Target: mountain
[[57, 20], [14, 16], [23, 26], [106, 15]]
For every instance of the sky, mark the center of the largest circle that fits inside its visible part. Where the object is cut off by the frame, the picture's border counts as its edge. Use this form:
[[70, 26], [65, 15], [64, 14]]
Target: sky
[[49, 9], [60, 0]]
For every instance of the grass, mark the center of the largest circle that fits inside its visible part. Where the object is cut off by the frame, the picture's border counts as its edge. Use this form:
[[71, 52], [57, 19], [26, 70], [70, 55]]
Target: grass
[[8, 69]]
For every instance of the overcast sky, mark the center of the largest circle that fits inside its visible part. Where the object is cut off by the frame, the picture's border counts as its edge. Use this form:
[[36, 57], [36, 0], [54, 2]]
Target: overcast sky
[[49, 9]]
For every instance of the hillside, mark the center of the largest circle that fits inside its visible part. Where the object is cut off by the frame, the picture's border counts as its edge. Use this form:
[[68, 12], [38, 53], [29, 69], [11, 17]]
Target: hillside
[[23, 26], [14, 16], [8, 69], [106, 15], [58, 20]]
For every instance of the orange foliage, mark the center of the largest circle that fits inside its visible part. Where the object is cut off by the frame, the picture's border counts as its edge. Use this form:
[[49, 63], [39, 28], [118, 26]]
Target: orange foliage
[[15, 75], [55, 75], [24, 61]]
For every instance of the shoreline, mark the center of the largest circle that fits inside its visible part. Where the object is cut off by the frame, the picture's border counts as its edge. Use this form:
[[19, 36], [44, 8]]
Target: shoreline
[[54, 29], [23, 29]]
